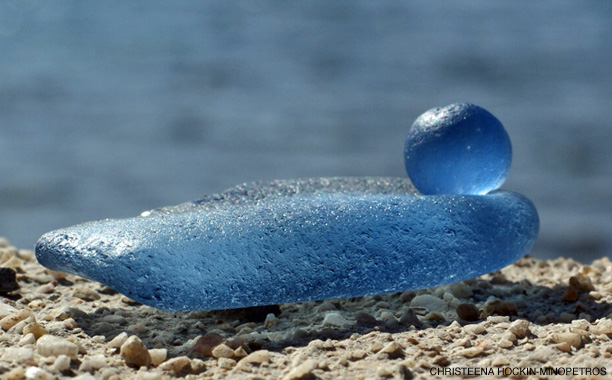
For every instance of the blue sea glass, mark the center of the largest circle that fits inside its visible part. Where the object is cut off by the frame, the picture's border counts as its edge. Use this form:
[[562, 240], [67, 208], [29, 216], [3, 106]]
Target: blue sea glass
[[289, 241], [300, 240], [457, 149]]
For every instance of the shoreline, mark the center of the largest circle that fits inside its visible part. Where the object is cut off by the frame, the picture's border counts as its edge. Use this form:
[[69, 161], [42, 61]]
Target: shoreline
[[533, 314]]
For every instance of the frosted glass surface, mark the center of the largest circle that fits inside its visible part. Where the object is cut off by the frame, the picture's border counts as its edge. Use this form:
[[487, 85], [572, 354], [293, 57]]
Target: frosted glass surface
[[299, 240], [457, 149]]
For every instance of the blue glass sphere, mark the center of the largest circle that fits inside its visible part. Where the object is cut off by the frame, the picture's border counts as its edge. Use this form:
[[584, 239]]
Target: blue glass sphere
[[457, 149]]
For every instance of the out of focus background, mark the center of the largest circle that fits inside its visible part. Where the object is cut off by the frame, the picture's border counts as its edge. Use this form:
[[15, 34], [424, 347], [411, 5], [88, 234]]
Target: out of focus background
[[109, 108]]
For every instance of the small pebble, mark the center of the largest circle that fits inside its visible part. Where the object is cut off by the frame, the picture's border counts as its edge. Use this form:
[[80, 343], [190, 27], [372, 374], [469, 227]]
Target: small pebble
[[27, 339], [365, 320], [376, 346], [461, 290], [87, 376], [86, 294], [6, 310], [302, 371], [393, 350], [509, 336], [326, 306], [115, 319], [17, 354], [70, 324], [118, 341], [8, 279], [35, 373], [222, 351], [198, 366], [471, 352], [270, 320], [34, 328], [12, 319], [46, 288], [69, 312], [564, 347], [502, 308], [17, 373], [387, 316], [384, 372], [468, 312], [257, 357], [475, 329], [134, 352], [570, 295], [581, 283], [496, 319], [357, 355], [570, 338], [430, 303], [520, 328], [49, 345], [226, 363], [442, 361], [603, 327], [409, 318], [204, 345], [240, 352], [61, 364], [177, 365], [334, 319], [94, 362], [158, 356]]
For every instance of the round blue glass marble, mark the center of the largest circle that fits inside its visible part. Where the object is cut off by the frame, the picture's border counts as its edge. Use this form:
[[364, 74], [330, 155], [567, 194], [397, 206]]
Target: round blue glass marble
[[457, 149]]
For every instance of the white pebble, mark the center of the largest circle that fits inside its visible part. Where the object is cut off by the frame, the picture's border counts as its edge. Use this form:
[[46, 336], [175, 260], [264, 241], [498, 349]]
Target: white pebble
[[93, 362], [27, 340], [222, 351], [17, 354], [257, 357], [429, 302], [118, 341], [62, 363], [520, 328], [334, 319], [70, 323], [603, 327], [387, 316], [49, 345], [35, 373], [475, 329], [6, 310], [158, 356], [471, 352]]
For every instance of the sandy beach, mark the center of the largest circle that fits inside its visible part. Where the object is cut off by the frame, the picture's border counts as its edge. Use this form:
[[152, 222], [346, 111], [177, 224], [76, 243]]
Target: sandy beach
[[533, 319]]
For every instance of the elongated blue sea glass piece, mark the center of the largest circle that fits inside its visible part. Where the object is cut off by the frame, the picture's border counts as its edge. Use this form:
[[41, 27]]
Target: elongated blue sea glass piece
[[300, 240]]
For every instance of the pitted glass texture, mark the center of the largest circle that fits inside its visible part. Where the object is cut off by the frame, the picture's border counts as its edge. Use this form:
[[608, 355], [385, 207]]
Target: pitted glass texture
[[298, 240]]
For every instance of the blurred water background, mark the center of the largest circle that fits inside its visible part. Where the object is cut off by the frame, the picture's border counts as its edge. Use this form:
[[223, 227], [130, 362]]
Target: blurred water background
[[109, 108]]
